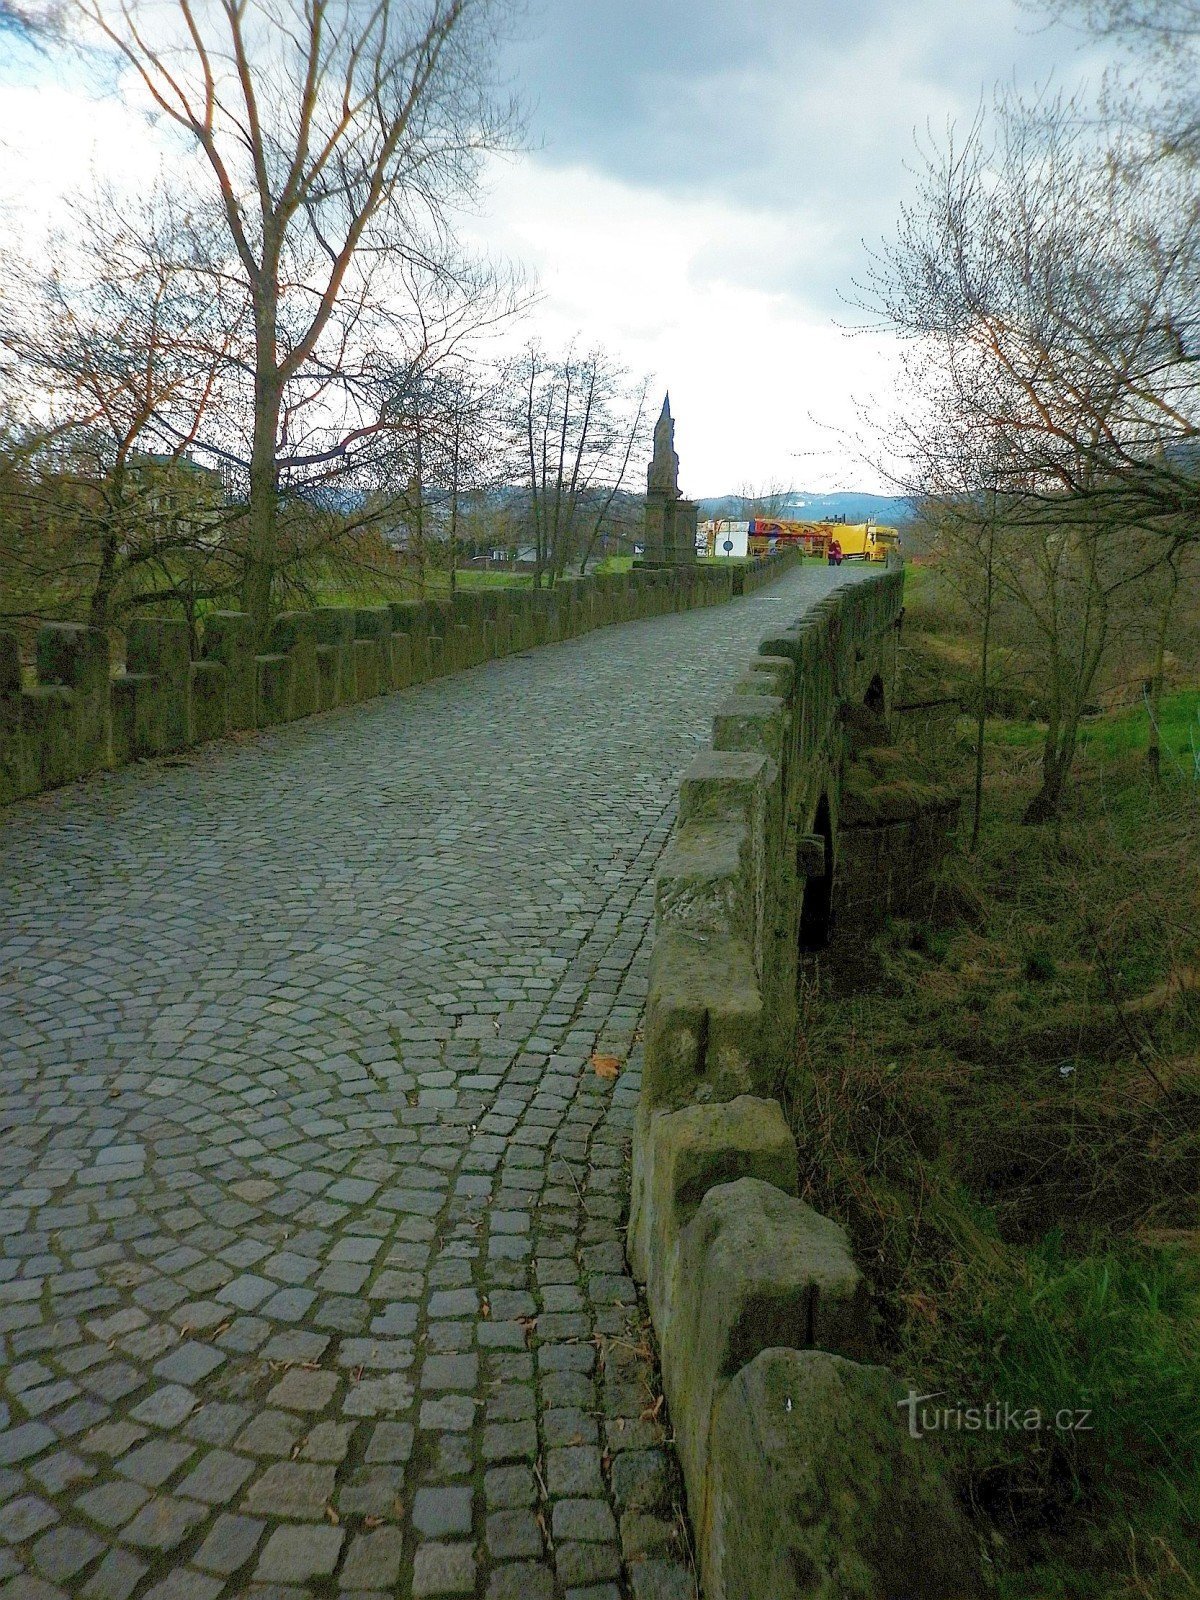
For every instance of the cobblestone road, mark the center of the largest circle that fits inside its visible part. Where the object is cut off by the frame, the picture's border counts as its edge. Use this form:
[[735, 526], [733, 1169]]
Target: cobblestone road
[[311, 1195]]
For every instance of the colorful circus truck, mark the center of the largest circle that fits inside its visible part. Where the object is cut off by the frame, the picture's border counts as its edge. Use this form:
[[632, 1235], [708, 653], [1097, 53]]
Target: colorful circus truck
[[860, 541]]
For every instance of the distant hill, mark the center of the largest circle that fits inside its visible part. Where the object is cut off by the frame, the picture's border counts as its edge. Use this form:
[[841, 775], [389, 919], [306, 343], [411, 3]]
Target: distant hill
[[853, 505]]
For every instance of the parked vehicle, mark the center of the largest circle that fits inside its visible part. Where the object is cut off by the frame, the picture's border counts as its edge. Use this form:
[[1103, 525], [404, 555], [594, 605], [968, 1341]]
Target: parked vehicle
[[859, 541]]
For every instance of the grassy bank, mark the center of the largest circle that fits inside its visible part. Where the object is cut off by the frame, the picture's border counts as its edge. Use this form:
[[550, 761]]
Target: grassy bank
[[1007, 1119]]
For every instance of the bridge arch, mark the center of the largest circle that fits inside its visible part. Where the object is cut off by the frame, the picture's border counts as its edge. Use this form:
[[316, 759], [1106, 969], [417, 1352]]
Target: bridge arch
[[816, 905]]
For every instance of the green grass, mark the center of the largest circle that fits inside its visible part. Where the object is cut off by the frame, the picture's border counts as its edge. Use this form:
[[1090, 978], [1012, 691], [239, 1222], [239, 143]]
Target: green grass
[[1118, 734], [920, 585]]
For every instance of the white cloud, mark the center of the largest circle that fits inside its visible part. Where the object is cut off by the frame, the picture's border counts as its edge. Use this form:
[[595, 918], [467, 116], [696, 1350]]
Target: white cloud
[[53, 136], [669, 284]]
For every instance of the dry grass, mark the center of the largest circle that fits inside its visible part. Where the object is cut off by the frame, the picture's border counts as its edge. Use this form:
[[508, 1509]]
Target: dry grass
[[1008, 1123]]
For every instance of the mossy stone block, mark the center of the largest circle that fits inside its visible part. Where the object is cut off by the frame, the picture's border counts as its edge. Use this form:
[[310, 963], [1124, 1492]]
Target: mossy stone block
[[162, 646], [678, 1156], [752, 721], [334, 626], [755, 1269], [136, 717], [375, 623], [816, 1491], [368, 669], [209, 701], [705, 881], [293, 633], [229, 638], [48, 734], [274, 690], [15, 778], [77, 657], [704, 1020]]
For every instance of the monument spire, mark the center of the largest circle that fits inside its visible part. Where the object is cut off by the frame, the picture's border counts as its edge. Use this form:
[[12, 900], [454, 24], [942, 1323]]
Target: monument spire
[[663, 475]]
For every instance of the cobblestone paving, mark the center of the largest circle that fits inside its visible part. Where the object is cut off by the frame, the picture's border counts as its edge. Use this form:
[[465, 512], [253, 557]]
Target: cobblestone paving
[[311, 1195]]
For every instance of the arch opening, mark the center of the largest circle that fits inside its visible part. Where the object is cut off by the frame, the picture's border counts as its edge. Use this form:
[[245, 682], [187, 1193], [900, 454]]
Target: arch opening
[[816, 906], [875, 700]]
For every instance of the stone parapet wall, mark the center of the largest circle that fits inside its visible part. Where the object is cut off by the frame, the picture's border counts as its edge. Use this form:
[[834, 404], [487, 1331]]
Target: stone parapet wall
[[801, 1479], [77, 719]]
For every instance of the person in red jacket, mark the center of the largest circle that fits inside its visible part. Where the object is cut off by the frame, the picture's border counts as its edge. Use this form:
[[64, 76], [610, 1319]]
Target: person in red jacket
[[835, 553]]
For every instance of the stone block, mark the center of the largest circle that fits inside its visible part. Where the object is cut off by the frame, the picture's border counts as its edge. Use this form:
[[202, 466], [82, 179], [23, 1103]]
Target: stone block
[[162, 646], [410, 620], [209, 701], [10, 665], [678, 1156], [402, 660], [72, 655], [334, 627], [229, 638], [375, 623], [77, 658], [705, 881], [15, 778], [368, 669], [754, 1269], [294, 634], [775, 674], [329, 677], [48, 735], [726, 783], [136, 717], [704, 1020], [815, 1489], [273, 700], [462, 646], [756, 722]]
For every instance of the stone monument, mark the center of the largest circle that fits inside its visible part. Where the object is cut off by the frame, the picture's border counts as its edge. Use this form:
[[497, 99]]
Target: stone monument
[[670, 538]]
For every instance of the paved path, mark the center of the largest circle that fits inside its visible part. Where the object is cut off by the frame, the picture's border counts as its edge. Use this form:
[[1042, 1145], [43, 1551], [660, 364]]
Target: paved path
[[311, 1197]]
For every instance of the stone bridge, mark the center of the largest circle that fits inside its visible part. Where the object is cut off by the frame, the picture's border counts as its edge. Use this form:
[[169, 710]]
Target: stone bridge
[[319, 1059]]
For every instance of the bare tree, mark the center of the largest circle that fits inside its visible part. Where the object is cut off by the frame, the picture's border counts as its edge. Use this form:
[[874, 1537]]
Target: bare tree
[[769, 499], [116, 348], [1156, 85], [335, 135], [1049, 292], [577, 420], [1047, 285]]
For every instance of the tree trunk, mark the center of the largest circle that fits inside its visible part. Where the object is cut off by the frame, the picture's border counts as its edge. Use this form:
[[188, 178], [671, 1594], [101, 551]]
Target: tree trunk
[[263, 535], [98, 616], [1154, 687], [984, 663], [1056, 768]]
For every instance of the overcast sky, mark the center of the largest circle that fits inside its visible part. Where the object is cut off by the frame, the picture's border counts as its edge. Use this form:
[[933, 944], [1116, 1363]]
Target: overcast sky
[[701, 179]]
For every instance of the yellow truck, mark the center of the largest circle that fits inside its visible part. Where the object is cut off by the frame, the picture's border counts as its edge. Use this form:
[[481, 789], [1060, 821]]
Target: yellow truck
[[866, 541]]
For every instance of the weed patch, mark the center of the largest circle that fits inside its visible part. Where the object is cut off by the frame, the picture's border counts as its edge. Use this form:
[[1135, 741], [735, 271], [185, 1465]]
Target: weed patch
[[1008, 1123]]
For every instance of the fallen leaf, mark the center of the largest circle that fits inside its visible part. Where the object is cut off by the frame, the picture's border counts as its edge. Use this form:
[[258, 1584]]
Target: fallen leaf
[[606, 1066]]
